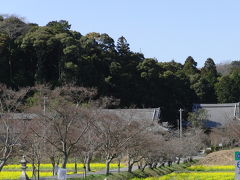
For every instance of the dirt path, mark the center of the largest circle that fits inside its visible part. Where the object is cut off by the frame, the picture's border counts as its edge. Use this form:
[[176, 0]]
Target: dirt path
[[90, 173]]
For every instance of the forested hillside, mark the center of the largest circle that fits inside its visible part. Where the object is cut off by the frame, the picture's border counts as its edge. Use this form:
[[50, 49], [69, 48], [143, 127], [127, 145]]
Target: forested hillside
[[56, 55]]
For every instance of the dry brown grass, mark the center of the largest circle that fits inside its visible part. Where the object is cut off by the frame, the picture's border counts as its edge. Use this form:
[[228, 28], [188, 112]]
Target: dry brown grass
[[224, 157]]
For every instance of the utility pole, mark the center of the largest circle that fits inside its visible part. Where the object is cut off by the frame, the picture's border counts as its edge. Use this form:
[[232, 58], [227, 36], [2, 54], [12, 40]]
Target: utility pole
[[180, 122], [44, 105]]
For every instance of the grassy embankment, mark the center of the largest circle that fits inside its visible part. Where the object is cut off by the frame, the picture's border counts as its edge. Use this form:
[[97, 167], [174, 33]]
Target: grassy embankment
[[139, 174]]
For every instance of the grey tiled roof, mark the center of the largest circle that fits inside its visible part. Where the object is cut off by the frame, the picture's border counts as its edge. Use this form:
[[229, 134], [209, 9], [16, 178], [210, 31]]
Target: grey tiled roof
[[136, 114], [152, 114], [219, 114], [24, 116], [130, 114]]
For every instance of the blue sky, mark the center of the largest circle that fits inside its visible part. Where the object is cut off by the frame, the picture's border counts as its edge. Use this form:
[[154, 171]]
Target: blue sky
[[164, 29]]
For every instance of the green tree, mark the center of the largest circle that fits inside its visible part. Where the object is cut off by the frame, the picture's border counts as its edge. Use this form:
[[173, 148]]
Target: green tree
[[68, 52], [204, 90], [171, 66], [59, 26], [228, 87], [123, 46], [198, 118], [11, 28], [209, 71], [149, 69], [98, 52], [205, 85], [190, 66], [42, 42], [54, 47]]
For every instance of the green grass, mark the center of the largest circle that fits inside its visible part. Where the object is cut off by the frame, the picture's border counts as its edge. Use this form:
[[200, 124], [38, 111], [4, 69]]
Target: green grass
[[194, 176], [139, 174], [197, 172]]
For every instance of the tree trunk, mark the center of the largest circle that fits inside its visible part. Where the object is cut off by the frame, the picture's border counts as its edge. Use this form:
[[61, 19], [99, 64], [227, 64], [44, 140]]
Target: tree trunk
[[119, 165], [150, 165], [130, 166], [38, 170], [53, 169], [178, 161], [65, 160], [84, 171], [2, 164], [33, 168], [75, 165], [7, 154], [155, 165], [108, 166], [59, 72], [88, 161], [169, 163], [53, 165], [143, 167], [10, 65], [162, 164], [140, 165]]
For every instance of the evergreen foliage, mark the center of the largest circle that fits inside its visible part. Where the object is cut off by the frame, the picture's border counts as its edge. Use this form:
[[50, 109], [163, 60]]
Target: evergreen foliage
[[56, 55]]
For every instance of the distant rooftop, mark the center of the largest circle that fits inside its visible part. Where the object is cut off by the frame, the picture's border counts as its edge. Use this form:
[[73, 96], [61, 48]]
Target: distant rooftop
[[219, 114], [151, 114], [24, 116], [136, 114]]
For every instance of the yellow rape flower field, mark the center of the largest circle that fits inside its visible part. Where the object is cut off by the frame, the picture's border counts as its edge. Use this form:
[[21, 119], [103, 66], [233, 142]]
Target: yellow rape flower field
[[13, 171], [16, 174], [211, 168], [94, 166], [197, 176], [199, 173]]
